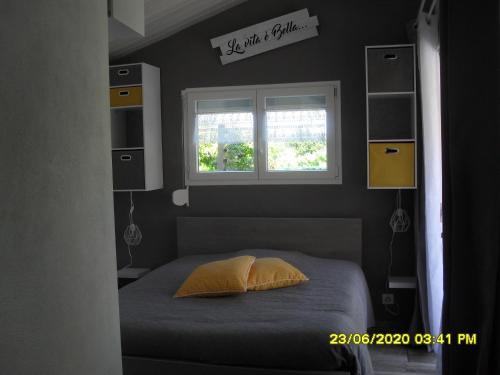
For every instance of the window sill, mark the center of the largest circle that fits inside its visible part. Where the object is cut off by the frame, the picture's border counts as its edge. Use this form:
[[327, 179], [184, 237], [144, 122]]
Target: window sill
[[319, 181]]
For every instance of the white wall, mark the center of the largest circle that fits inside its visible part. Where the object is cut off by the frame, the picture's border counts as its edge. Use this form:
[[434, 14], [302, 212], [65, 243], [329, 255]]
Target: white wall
[[58, 294]]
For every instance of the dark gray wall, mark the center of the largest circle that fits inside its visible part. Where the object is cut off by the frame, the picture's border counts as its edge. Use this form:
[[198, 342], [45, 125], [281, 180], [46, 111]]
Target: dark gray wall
[[187, 60], [58, 293]]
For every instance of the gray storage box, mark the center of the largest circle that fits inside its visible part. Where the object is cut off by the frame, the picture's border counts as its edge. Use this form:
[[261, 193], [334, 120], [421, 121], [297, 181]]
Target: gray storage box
[[122, 75], [128, 170], [390, 69]]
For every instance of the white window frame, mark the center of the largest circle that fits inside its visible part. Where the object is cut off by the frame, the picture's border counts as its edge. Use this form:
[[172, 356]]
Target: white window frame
[[261, 176]]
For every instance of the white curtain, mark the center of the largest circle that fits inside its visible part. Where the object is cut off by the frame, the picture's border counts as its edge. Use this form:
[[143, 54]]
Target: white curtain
[[429, 65]]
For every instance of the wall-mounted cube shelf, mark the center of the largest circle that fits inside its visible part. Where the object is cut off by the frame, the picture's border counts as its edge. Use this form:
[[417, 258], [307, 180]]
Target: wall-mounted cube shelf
[[136, 127], [391, 104]]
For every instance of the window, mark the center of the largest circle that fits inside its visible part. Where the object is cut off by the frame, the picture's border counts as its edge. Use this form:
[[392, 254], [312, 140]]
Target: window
[[274, 134]]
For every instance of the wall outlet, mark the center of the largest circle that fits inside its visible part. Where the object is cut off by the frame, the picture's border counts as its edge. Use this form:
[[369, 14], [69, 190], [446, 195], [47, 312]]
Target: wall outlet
[[387, 299]]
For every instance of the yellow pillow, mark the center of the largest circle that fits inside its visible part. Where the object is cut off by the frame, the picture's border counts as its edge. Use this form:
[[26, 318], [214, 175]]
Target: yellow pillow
[[271, 273], [219, 278]]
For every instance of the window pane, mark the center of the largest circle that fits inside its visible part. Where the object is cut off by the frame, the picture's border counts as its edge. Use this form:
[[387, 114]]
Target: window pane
[[225, 142], [296, 140]]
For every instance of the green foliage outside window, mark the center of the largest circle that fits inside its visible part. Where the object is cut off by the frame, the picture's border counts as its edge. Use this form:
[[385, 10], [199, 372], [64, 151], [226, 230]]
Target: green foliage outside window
[[237, 157], [298, 156], [207, 155], [306, 155]]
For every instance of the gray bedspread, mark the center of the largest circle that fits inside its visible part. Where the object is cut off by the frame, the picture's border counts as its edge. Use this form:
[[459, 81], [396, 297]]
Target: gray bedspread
[[281, 328]]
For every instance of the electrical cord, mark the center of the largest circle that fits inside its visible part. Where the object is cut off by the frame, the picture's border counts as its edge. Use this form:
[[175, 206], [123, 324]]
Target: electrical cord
[[399, 223], [394, 309]]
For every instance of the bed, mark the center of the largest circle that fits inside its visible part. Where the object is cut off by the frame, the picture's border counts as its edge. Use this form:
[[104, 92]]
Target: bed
[[282, 331]]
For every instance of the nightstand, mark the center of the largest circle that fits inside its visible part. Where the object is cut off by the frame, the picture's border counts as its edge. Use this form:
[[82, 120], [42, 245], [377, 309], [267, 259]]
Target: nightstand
[[128, 275], [398, 282]]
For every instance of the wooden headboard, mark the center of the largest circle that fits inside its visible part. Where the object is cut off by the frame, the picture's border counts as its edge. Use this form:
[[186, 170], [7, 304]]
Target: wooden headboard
[[327, 238]]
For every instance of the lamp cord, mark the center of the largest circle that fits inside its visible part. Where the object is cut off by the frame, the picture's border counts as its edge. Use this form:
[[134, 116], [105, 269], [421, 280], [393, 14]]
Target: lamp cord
[[393, 310], [399, 223], [132, 234]]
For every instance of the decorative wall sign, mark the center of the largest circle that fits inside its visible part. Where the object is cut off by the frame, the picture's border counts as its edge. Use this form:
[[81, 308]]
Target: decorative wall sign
[[265, 36]]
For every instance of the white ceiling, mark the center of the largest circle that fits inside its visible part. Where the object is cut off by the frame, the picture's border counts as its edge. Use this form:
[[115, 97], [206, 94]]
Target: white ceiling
[[167, 17]]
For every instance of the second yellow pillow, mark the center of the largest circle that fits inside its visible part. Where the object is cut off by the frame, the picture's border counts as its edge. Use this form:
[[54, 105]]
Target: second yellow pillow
[[272, 273]]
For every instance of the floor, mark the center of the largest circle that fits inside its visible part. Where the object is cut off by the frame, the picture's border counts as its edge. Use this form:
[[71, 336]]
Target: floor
[[399, 360]]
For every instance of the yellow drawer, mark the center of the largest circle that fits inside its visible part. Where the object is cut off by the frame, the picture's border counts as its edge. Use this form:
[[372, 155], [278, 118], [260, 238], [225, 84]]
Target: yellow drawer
[[125, 96], [392, 164]]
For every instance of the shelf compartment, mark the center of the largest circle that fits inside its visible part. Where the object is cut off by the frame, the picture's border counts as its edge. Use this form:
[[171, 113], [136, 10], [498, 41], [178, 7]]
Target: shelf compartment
[[127, 129], [390, 69], [391, 117], [125, 96], [392, 165]]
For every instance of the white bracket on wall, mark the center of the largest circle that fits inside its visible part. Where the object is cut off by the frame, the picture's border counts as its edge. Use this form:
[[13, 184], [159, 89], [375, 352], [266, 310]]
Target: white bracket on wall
[[181, 197]]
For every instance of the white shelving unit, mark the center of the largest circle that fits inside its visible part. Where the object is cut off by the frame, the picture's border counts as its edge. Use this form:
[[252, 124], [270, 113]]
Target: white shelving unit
[[136, 127], [391, 116]]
